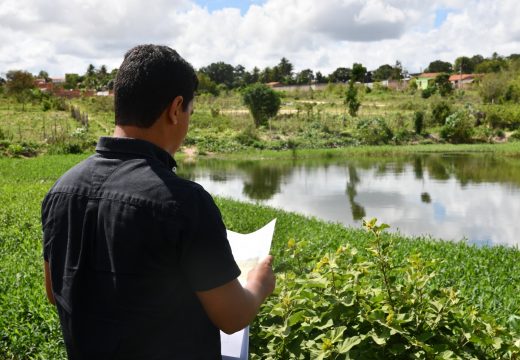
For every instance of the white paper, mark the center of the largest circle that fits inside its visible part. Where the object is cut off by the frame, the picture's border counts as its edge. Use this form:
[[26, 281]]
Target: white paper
[[247, 250]]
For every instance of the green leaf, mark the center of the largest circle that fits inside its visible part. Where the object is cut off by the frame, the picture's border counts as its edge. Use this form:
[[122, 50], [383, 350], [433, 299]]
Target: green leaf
[[349, 343]]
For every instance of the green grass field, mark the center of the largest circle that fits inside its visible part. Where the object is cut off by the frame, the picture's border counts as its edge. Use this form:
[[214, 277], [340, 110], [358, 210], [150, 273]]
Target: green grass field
[[488, 279], [222, 124]]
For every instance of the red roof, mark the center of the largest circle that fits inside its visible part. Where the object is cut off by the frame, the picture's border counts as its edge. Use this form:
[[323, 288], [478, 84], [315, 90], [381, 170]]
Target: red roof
[[428, 75], [459, 77]]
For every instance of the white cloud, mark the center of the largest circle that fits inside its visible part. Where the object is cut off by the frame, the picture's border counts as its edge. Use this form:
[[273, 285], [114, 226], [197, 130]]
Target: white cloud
[[66, 35]]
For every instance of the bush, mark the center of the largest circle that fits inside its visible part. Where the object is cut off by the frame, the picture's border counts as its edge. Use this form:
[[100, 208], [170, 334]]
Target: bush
[[418, 122], [515, 136], [429, 91], [458, 127], [248, 136], [262, 101], [505, 116], [350, 306], [440, 111], [373, 131]]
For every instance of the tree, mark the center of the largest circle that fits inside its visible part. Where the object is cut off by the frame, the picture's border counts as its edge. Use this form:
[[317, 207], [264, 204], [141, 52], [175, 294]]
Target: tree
[[495, 64], [439, 66], [341, 74], [262, 101], [397, 71], [359, 72], [19, 85], [44, 75], [285, 70], [305, 77], [351, 98], [239, 74], [71, 81], [220, 73], [206, 85], [464, 65], [384, 72], [492, 88], [320, 79], [443, 84]]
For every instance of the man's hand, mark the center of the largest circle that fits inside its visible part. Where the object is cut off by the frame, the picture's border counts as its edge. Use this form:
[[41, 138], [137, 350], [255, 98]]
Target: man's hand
[[261, 278], [232, 307]]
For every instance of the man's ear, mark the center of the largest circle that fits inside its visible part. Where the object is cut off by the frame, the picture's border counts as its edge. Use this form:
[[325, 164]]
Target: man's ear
[[175, 109]]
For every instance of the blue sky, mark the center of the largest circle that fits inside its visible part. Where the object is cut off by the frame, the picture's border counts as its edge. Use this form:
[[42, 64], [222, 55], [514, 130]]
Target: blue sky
[[221, 4], [440, 16]]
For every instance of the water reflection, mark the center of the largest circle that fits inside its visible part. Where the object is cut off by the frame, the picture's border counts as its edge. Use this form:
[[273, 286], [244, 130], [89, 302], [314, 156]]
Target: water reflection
[[473, 197]]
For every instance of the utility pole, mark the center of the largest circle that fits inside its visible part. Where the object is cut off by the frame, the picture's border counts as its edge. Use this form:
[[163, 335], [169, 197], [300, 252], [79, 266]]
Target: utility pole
[[460, 73]]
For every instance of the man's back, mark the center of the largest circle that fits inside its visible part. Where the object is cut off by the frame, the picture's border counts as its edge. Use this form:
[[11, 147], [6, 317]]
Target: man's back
[[128, 244]]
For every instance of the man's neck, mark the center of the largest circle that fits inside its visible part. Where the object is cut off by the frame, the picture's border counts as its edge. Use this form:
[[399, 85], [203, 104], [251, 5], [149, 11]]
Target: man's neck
[[148, 134]]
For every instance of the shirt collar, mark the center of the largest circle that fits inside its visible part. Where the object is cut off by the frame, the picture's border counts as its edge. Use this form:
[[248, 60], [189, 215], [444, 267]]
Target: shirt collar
[[136, 147]]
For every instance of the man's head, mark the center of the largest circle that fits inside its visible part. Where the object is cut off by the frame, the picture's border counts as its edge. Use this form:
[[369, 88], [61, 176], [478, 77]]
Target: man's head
[[149, 79]]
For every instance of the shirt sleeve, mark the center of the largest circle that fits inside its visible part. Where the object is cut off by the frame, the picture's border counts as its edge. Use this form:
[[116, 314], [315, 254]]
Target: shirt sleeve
[[46, 227], [207, 260]]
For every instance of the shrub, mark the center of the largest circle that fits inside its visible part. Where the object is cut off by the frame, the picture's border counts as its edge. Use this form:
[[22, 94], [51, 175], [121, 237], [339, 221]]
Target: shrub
[[442, 82], [351, 99], [515, 136], [505, 116], [418, 122], [262, 101], [373, 131], [352, 306], [458, 127], [440, 111], [248, 136], [429, 91]]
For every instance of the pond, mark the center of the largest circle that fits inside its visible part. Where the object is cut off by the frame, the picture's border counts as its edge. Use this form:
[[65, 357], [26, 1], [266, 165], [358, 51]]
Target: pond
[[474, 198]]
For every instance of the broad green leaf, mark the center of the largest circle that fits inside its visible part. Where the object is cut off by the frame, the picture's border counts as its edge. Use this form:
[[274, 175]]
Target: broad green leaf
[[349, 343]]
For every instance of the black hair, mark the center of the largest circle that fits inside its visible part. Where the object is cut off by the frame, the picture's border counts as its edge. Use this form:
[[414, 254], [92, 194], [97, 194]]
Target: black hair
[[149, 78]]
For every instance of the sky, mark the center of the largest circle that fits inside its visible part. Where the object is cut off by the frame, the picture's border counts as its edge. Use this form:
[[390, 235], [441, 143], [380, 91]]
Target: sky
[[65, 36]]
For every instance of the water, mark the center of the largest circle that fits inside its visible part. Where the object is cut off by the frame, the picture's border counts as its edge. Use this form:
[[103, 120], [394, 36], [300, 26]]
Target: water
[[474, 198]]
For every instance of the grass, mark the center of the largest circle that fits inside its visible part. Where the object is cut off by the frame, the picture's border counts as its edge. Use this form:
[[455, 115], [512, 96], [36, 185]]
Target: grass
[[488, 277], [307, 120]]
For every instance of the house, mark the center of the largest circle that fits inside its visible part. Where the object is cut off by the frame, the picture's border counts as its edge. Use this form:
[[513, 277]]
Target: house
[[461, 81], [43, 85], [425, 79]]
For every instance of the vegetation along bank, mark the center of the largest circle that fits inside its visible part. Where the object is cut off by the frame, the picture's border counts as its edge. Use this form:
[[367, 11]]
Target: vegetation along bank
[[341, 292]]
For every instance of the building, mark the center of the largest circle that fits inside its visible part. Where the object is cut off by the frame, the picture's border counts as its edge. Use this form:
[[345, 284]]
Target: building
[[462, 81], [425, 79]]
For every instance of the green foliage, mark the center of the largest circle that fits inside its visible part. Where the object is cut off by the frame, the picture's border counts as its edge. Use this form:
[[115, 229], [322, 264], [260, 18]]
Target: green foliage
[[440, 110], [373, 131], [358, 73], [492, 88], [515, 136], [248, 136], [418, 121], [19, 85], [206, 85], [502, 116], [262, 101], [351, 99], [429, 91], [487, 277], [443, 84], [458, 127], [439, 66], [347, 304]]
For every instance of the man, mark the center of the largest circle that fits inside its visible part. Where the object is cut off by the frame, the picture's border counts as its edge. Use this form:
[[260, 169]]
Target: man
[[136, 259]]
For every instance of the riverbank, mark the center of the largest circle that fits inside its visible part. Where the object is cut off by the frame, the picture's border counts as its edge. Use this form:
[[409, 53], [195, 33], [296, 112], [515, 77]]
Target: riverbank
[[486, 279], [505, 149]]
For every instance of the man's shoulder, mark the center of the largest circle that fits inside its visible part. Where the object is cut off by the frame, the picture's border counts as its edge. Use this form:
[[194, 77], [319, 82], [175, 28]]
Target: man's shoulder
[[74, 176]]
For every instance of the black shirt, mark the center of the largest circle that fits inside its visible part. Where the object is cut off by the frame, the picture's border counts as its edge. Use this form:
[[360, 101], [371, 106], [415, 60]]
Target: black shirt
[[128, 243]]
